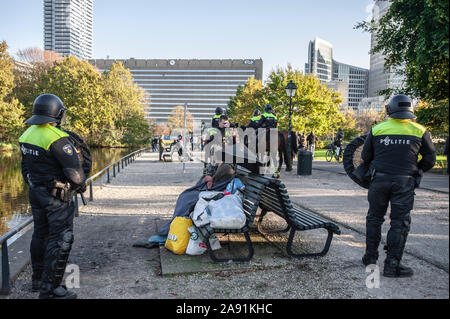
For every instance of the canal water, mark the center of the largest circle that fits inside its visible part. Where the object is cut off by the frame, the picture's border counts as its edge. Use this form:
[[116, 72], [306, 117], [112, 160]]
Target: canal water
[[14, 206]]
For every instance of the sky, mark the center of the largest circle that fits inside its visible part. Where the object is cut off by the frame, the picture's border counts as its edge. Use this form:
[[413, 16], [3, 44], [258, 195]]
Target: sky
[[276, 31]]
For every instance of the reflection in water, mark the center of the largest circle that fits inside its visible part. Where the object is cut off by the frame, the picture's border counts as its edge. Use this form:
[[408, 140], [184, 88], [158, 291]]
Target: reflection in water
[[14, 206]]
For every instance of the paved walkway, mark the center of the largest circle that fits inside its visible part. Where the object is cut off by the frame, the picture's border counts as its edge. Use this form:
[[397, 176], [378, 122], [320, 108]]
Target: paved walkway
[[430, 181], [144, 194]]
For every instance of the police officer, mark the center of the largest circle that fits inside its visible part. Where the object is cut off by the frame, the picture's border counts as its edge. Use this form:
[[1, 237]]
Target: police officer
[[255, 120], [391, 149], [268, 118], [53, 171], [216, 117]]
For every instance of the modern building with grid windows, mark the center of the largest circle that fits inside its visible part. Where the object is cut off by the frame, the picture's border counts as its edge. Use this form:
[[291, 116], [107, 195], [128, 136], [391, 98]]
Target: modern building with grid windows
[[351, 81], [357, 80], [202, 84], [68, 27]]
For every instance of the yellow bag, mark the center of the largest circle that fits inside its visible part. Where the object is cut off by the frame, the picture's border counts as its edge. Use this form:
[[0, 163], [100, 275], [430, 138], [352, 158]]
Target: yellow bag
[[178, 237]]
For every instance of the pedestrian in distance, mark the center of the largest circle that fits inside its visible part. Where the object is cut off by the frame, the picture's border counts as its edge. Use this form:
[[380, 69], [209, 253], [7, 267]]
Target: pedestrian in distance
[[311, 139]]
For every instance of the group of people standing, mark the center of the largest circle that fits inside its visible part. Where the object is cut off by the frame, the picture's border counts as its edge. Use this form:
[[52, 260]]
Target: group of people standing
[[54, 170]]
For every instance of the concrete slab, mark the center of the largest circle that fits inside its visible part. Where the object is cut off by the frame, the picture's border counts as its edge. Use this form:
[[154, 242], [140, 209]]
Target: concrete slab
[[266, 255]]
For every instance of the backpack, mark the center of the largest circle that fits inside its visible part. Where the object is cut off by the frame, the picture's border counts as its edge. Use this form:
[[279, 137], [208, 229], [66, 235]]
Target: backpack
[[83, 152]]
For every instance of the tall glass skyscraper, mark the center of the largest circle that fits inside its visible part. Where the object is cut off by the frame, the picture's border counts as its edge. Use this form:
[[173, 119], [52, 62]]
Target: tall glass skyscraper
[[351, 81], [68, 27], [320, 59], [379, 78]]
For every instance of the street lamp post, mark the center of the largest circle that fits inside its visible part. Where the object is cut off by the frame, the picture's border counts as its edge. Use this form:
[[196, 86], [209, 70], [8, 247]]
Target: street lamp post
[[291, 89]]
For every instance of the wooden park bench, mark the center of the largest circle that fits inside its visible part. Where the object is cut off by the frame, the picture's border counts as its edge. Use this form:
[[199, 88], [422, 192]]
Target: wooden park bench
[[270, 195], [275, 199]]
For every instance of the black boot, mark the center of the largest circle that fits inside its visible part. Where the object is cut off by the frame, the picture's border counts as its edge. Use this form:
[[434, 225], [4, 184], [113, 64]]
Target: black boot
[[35, 285], [394, 269], [373, 237], [36, 280], [60, 292], [369, 259]]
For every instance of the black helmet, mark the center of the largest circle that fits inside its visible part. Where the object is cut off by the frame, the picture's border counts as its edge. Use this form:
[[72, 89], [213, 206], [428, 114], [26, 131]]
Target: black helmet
[[268, 108], [47, 108], [400, 107], [219, 110], [257, 112]]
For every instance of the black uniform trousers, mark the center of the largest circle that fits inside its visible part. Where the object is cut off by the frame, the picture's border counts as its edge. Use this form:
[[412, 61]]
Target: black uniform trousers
[[399, 192], [53, 219]]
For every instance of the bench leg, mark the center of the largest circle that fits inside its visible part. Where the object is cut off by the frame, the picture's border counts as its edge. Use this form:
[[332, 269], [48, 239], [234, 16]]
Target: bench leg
[[264, 213], [222, 260], [322, 253]]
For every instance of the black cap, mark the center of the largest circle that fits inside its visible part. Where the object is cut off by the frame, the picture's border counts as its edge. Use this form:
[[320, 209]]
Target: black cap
[[219, 110]]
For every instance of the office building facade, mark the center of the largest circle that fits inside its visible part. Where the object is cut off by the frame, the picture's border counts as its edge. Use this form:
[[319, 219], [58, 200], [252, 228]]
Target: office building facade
[[68, 27], [379, 78], [320, 59], [357, 80], [350, 81], [202, 84]]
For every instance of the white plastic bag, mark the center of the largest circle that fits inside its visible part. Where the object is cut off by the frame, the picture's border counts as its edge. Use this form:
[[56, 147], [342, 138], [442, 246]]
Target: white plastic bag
[[200, 216], [196, 244], [227, 213]]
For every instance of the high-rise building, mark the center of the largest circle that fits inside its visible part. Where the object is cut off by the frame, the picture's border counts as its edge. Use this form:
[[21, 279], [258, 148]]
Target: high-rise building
[[357, 79], [202, 84], [68, 27], [351, 81], [320, 56], [379, 78]]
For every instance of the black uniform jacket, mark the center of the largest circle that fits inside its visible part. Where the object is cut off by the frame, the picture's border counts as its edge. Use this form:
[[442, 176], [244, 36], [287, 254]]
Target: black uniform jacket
[[393, 146], [48, 155]]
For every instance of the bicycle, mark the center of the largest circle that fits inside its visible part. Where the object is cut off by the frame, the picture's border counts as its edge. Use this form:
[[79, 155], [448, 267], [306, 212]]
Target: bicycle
[[331, 153]]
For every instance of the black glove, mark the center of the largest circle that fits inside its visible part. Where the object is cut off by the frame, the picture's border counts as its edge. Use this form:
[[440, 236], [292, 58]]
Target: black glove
[[81, 188], [418, 179]]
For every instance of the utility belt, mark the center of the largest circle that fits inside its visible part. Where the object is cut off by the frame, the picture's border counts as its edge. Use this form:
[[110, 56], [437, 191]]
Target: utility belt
[[417, 178], [61, 191]]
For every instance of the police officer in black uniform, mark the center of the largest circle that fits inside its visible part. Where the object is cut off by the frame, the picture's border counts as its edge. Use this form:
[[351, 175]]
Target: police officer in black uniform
[[391, 149], [52, 169], [268, 118], [216, 117], [255, 121]]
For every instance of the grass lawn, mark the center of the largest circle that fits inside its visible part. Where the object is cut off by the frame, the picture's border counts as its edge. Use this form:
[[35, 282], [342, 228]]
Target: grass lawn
[[439, 167]]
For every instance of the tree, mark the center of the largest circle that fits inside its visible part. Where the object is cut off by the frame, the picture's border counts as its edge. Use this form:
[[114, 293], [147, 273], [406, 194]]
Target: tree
[[413, 36], [248, 97], [126, 101], [81, 89], [368, 118], [315, 105], [34, 64], [434, 117], [162, 129], [349, 123], [176, 119], [11, 110]]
